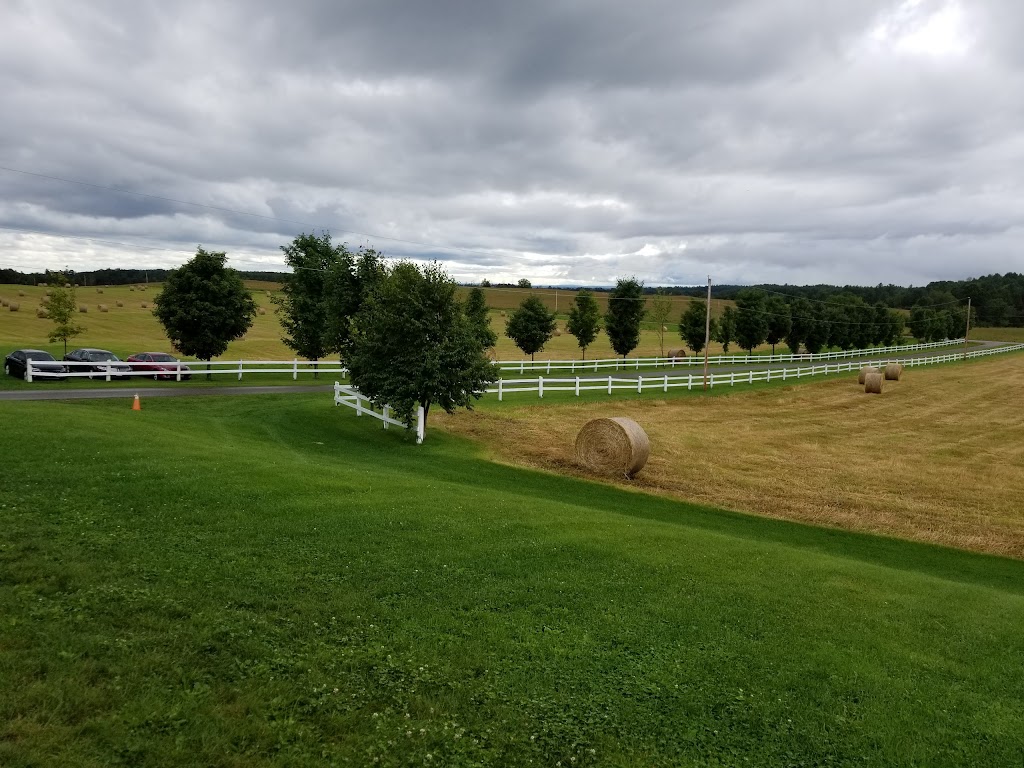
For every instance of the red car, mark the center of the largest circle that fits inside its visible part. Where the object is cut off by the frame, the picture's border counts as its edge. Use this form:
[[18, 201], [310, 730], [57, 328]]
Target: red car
[[164, 366]]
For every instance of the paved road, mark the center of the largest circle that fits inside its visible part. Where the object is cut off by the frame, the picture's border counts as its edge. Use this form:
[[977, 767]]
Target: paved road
[[192, 391]]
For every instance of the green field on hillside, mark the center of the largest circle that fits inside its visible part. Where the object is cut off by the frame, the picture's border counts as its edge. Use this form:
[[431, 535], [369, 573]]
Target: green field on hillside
[[273, 581]]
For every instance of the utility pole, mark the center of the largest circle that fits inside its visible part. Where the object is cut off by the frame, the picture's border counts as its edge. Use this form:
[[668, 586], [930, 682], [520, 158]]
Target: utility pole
[[967, 331], [707, 334]]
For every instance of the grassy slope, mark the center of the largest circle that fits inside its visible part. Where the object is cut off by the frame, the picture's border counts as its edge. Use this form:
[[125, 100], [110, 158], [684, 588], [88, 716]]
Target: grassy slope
[[248, 582]]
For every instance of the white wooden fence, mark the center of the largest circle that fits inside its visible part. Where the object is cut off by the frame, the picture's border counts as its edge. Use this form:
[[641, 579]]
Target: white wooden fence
[[178, 370], [665, 382], [353, 398], [620, 364]]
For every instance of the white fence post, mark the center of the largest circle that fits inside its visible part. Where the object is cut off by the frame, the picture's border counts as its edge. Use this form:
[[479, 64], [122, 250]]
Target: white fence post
[[577, 386], [28, 370], [108, 371], [359, 405], [239, 370], [609, 384], [666, 383], [177, 369], [421, 426], [540, 386], [295, 369], [385, 411], [639, 384], [499, 390]]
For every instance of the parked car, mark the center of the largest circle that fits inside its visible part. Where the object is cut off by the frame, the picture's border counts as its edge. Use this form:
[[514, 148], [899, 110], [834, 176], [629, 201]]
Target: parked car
[[16, 363], [163, 365], [102, 359]]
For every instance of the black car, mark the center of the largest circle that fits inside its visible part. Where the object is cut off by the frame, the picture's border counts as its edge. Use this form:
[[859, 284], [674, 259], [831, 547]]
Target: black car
[[16, 363], [103, 361]]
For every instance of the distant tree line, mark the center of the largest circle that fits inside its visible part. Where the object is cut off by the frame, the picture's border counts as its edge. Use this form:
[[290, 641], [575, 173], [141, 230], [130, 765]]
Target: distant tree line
[[116, 276]]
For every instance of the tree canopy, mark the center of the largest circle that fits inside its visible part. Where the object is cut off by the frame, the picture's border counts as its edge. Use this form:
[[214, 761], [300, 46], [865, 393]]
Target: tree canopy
[[658, 313], [480, 318], [412, 344], [204, 306], [61, 307], [727, 327], [584, 320], [530, 326], [302, 303], [625, 311], [751, 320]]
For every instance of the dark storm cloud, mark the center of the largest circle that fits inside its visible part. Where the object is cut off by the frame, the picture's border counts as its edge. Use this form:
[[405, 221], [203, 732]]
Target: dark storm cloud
[[783, 140]]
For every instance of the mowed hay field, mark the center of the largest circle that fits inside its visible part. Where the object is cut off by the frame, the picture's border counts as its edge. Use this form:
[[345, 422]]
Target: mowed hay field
[[133, 328], [939, 457]]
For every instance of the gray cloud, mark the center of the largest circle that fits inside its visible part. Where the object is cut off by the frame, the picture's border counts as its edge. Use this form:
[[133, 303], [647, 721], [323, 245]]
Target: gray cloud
[[571, 142]]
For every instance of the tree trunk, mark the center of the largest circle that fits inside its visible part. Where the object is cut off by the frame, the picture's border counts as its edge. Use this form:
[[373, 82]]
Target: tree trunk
[[316, 371]]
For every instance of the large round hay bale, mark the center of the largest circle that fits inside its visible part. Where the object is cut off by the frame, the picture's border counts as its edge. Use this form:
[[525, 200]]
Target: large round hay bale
[[145, 305], [868, 369], [142, 287], [3, 302], [119, 303], [41, 313], [556, 332], [873, 383], [83, 309], [261, 311], [676, 353], [102, 307], [14, 306], [42, 285], [893, 371], [617, 445], [21, 294], [99, 290], [131, 287]]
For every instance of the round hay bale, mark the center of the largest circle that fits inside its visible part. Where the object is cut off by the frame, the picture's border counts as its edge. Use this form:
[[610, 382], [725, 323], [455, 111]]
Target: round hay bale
[[503, 313], [99, 290], [21, 294], [873, 383], [42, 285], [14, 306], [3, 302], [261, 311], [131, 287], [103, 308], [864, 373], [142, 287], [893, 371], [557, 332], [83, 309], [119, 303], [613, 446], [676, 353], [41, 313], [145, 305]]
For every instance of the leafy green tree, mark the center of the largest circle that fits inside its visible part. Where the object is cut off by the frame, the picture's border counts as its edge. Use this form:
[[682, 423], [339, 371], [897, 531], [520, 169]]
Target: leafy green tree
[[412, 344], [530, 326], [204, 306], [693, 325], [817, 334], [62, 307], [658, 313], [922, 323], [880, 326], [727, 327], [801, 313], [625, 311], [779, 319], [480, 319], [485, 283], [584, 320], [894, 328], [524, 283], [302, 303], [751, 320], [349, 281]]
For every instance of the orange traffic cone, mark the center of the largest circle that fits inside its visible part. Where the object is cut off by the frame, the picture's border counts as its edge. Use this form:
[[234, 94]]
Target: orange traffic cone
[[136, 405]]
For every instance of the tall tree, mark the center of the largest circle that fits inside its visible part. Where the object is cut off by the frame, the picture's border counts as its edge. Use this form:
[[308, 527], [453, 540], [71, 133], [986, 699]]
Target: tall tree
[[349, 281], [524, 283], [658, 313], [480, 318], [302, 302], [584, 320], [204, 306], [625, 311], [530, 326], [780, 321], [818, 332], [61, 307], [751, 320], [727, 327], [693, 325], [413, 344], [801, 313]]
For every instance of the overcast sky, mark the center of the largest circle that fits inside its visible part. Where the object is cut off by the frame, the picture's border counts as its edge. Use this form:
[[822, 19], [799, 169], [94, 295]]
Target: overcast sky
[[800, 141]]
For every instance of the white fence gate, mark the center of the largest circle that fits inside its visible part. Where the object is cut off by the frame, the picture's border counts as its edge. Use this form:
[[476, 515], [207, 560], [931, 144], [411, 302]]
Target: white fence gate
[[353, 398]]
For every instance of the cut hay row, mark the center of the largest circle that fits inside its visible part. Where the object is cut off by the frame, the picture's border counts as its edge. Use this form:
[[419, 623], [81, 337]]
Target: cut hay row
[[616, 445]]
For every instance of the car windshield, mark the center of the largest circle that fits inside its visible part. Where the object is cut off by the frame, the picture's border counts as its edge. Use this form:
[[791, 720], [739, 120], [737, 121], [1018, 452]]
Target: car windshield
[[35, 354], [101, 357], [160, 357]]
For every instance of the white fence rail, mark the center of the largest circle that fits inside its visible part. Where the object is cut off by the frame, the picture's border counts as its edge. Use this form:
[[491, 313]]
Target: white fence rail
[[122, 369], [353, 398], [665, 382], [619, 364]]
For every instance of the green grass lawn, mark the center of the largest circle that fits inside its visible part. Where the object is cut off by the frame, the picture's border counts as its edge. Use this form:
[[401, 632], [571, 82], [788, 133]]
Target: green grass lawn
[[259, 581]]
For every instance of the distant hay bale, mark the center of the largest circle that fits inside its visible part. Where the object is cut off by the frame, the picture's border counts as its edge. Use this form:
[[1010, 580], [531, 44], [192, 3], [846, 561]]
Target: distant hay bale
[[145, 305], [21, 294], [261, 311], [102, 307], [556, 332], [893, 371], [41, 313], [83, 309], [873, 383], [864, 373], [42, 285], [676, 353], [119, 303], [131, 287], [3, 302], [99, 290], [142, 287], [14, 306], [503, 313], [613, 446]]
